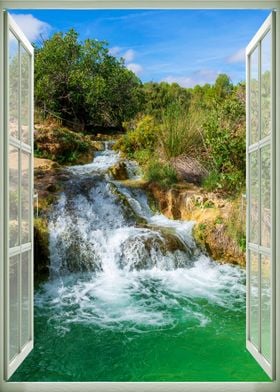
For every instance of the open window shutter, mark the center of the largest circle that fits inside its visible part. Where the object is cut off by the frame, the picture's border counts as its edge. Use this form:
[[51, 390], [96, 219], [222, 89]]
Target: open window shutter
[[260, 156], [19, 196]]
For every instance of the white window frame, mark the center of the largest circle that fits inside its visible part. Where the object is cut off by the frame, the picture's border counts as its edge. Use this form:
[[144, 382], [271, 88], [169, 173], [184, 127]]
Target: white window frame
[[139, 386], [20, 249], [267, 26]]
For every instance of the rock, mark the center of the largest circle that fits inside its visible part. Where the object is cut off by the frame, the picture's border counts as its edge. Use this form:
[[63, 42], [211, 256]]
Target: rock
[[41, 249], [52, 188], [214, 239], [189, 169], [149, 251], [119, 171], [213, 215], [99, 146]]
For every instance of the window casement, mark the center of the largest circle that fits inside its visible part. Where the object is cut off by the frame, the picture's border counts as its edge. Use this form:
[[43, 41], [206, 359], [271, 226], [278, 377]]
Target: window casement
[[263, 190]]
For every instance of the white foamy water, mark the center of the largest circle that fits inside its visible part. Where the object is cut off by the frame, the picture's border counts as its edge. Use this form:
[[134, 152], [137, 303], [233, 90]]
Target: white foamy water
[[137, 300], [101, 163], [110, 271]]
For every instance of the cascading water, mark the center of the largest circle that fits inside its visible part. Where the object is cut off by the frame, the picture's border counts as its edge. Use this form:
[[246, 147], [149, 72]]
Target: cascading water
[[95, 229], [130, 297]]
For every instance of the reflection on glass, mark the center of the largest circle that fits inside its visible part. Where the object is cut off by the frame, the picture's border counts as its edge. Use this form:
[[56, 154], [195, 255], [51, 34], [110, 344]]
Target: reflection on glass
[[25, 198], [254, 96], [13, 196], [25, 297], [265, 196], [266, 86], [254, 198], [25, 96], [266, 306], [13, 307], [13, 86], [254, 299]]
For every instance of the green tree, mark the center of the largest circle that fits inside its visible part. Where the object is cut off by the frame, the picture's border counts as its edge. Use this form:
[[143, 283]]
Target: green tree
[[83, 83]]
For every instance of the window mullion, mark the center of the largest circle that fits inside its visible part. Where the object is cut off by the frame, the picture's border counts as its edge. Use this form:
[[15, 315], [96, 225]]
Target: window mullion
[[259, 200]]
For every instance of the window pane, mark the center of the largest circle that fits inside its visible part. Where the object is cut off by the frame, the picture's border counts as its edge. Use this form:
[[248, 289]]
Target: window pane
[[13, 85], [254, 299], [13, 196], [265, 196], [254, 198], [25, 295], [266, 306], [25, 96], [254, 96], [25, 198], [13, 306], [266, 86]]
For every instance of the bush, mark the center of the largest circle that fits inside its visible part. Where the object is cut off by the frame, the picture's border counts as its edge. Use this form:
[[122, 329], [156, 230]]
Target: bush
[[224, 136], [180, 131], [162, 173], [142, 137], [62, 145]]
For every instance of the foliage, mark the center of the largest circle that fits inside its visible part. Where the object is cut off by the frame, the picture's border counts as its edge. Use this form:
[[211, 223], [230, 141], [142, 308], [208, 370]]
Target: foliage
[[82, 83], [160, 96], [142, 138], [224, 137], [180, 131], [236, 226], [160, 172], [61, 144], [206, 123]]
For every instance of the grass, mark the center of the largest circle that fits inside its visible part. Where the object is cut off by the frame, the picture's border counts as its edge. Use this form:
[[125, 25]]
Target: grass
[[162, 173], [180, 132]]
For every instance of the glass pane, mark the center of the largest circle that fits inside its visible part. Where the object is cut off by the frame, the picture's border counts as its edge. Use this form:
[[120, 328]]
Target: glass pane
[[13, 85], [266, 86], [254, 299], [254, 198], [265, 196], [25, 198], [254, 96], [13, 196], [13, 306], [266, 306], [25, 295], [25, 96]]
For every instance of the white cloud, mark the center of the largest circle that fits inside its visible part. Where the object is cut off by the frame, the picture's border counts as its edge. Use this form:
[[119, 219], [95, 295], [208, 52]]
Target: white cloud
[[136, 68], [32, 27], [199, 77], [237, 57], [129, 55], [115, 51]]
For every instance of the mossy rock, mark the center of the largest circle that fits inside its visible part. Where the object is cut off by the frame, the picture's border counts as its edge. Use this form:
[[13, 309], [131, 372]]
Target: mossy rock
[[128, 210], [119, 171], [41, 249], [214, 239]]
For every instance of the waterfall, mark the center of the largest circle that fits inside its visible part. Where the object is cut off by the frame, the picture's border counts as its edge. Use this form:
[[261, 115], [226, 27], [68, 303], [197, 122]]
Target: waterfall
[[117, 264]]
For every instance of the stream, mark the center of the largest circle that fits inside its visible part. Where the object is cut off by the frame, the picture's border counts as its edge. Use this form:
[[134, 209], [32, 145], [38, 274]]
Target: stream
[[130, 297]]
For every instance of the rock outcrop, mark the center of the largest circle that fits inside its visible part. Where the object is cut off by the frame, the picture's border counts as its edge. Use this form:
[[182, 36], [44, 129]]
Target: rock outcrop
[[220, 222]]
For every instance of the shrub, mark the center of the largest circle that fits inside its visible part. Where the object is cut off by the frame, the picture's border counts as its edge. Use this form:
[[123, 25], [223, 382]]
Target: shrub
[[162, 173], [62, 145], [142, 137], [180, 131], [224, 137]]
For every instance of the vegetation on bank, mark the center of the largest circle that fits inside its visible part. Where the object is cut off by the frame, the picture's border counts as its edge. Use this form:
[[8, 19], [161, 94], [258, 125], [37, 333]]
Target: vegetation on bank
[[209, 126], [60, 144], [178, 135]]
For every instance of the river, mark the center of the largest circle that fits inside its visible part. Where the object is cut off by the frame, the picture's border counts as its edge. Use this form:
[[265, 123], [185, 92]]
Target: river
[[130, 297]]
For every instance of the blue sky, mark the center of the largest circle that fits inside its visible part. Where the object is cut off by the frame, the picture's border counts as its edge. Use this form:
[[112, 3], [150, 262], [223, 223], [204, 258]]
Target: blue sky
[[184, 46]]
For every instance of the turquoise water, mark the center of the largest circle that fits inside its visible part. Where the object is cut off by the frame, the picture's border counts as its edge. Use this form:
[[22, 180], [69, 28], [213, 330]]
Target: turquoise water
[[180, 337], [131, 299]]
